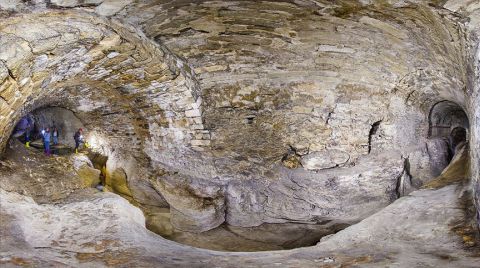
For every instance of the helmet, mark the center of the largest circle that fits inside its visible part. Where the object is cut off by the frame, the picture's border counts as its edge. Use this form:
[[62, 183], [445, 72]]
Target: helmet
[[81, 129]]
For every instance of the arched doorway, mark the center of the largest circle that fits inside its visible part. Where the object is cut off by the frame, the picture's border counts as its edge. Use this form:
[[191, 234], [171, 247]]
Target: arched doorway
[[448, 129], [446, 116]]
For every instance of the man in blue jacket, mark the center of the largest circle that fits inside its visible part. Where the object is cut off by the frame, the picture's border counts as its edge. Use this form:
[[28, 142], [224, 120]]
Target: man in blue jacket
[[46, 140]]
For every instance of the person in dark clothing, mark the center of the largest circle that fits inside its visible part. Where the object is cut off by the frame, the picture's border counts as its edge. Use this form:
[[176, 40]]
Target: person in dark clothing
[[55, 135], [27, 135], [78, 137]]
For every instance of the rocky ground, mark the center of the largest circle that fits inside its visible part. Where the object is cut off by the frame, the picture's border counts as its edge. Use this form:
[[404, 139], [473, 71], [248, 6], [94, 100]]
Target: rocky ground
[[424, 229], [46, 179], [62, 177], [70, 177], [89, 228]]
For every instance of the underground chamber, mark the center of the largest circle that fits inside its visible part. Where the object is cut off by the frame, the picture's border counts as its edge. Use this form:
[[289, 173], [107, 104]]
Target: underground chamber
[[246, 133]]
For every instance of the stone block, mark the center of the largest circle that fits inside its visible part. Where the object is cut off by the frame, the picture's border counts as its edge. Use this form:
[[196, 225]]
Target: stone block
[[111, 7], [198, 126], [193, 113], [385, 27], [197, 103], [337, 49], [200, 142]]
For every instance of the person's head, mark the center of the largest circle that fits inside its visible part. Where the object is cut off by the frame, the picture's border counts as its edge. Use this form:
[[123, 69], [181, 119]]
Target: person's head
[[80, 130], [48, 129]]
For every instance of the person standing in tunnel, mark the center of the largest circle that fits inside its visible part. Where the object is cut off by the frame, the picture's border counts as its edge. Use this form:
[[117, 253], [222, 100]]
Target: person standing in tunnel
[[27, 135], [55, 135], [78, 139], [46, 140]]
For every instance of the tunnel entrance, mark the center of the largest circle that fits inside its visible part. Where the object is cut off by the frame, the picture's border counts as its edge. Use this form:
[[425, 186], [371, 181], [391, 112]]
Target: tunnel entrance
[[445, 116], [65, 122], [27, 168], [448, 132], [457, 136]]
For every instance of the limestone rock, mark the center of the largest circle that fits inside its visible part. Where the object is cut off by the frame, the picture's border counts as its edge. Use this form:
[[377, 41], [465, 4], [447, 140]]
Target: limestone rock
[[291, 161], [104, 230], [429, 162], [89, 176], [117, 181], [439, 152], [145, 194], [265, 237], [111, 7], [405, 183], [456, 171], [344, 195], [79, 160], [193, 209], [414, 222], [325, 159], [159, 223], [10, 4]]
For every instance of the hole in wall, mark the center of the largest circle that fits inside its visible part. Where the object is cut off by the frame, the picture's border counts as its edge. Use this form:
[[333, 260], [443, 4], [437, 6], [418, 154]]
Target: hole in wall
[[373, 131], [46, 178], [250, 119]]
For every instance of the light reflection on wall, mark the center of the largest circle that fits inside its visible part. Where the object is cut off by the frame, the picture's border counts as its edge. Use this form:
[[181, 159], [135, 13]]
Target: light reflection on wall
[[97, 142]]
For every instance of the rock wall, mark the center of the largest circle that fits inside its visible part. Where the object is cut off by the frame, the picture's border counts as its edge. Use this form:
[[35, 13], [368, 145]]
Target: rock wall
[[325, 84], [471, 11], [315, 79], [245, 111], [475, 135]]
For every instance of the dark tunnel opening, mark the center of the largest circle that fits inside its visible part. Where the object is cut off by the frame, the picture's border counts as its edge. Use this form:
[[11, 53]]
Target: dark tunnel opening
[[448, 130], [61, 122]]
